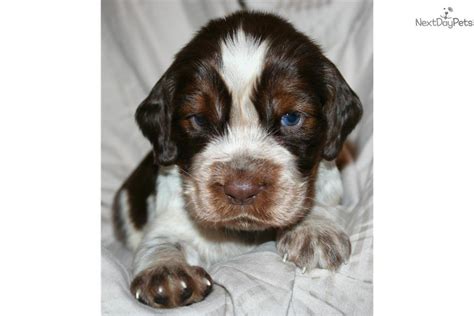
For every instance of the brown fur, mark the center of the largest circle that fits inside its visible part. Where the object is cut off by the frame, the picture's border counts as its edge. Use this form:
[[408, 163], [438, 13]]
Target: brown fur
[[346, 156]]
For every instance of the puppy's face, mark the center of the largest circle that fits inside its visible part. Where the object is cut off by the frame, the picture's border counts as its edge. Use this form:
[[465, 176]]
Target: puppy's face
[[247, 110]]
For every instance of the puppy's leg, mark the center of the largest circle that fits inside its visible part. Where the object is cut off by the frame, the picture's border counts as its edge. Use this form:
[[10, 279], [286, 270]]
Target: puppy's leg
[[163, 278], [133, 204], [317, 241]]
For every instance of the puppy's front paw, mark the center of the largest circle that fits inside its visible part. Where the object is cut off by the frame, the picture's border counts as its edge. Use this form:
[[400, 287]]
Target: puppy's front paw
[[311, 245], [171, 285]]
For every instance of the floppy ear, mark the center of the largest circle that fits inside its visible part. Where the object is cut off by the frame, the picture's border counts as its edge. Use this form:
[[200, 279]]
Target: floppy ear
[[342, 110], [154, 117]]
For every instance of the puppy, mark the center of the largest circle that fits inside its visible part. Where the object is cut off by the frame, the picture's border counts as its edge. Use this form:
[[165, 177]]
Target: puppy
[[245, 125]]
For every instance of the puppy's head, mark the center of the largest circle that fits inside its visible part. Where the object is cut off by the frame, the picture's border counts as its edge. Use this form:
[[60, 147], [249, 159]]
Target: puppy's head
[[247, 110]]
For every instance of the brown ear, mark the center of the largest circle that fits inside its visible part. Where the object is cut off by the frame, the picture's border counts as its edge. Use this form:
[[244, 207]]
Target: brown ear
[[342, 110], [154, 117]]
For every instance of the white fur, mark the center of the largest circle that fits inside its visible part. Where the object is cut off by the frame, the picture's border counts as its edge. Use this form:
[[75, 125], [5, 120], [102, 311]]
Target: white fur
[[328, 184], [242, 62], [249, 141]]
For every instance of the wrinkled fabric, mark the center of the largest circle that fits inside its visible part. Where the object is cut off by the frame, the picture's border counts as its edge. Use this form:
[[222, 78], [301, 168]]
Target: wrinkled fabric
[[139, 39]]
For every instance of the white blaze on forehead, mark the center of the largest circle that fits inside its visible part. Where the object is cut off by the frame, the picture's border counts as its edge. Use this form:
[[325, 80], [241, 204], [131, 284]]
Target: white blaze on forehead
[[242, 62]]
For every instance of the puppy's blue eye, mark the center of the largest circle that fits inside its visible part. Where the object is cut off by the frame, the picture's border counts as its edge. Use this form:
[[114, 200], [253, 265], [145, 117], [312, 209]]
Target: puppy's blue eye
[[291, 119], [198, 119]]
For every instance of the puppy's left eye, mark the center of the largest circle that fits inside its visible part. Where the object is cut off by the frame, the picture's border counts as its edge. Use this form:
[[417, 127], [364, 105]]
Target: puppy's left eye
[[291, 119], [198, 120]]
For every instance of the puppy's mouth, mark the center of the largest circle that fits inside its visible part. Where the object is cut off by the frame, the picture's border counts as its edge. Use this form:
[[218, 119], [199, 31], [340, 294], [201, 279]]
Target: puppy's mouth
[[242, 222]]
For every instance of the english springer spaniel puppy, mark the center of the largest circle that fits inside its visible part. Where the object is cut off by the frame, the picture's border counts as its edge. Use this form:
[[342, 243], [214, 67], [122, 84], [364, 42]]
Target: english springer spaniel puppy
[[245, 125]]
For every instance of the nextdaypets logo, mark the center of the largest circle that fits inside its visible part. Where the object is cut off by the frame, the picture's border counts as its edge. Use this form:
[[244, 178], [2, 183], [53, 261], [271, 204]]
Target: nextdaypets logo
[[446, 12], [445, 20]]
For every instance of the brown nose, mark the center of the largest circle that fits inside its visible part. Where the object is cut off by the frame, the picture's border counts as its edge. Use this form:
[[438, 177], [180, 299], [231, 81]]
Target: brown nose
[[242, 191]]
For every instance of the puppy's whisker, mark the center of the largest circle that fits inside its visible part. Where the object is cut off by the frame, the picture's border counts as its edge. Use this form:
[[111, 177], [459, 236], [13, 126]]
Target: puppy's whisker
[[189, 175]]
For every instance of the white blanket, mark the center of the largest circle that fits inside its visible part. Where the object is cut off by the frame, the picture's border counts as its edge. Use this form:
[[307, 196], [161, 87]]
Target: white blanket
[[139, 39]]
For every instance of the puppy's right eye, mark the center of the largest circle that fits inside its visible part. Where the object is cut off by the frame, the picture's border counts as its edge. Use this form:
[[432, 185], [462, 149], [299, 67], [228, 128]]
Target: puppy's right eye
[[291, 119], [198, 120]]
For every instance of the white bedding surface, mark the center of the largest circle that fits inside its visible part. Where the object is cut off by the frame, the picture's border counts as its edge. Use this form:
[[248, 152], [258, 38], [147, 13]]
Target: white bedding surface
[[139, 39]]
